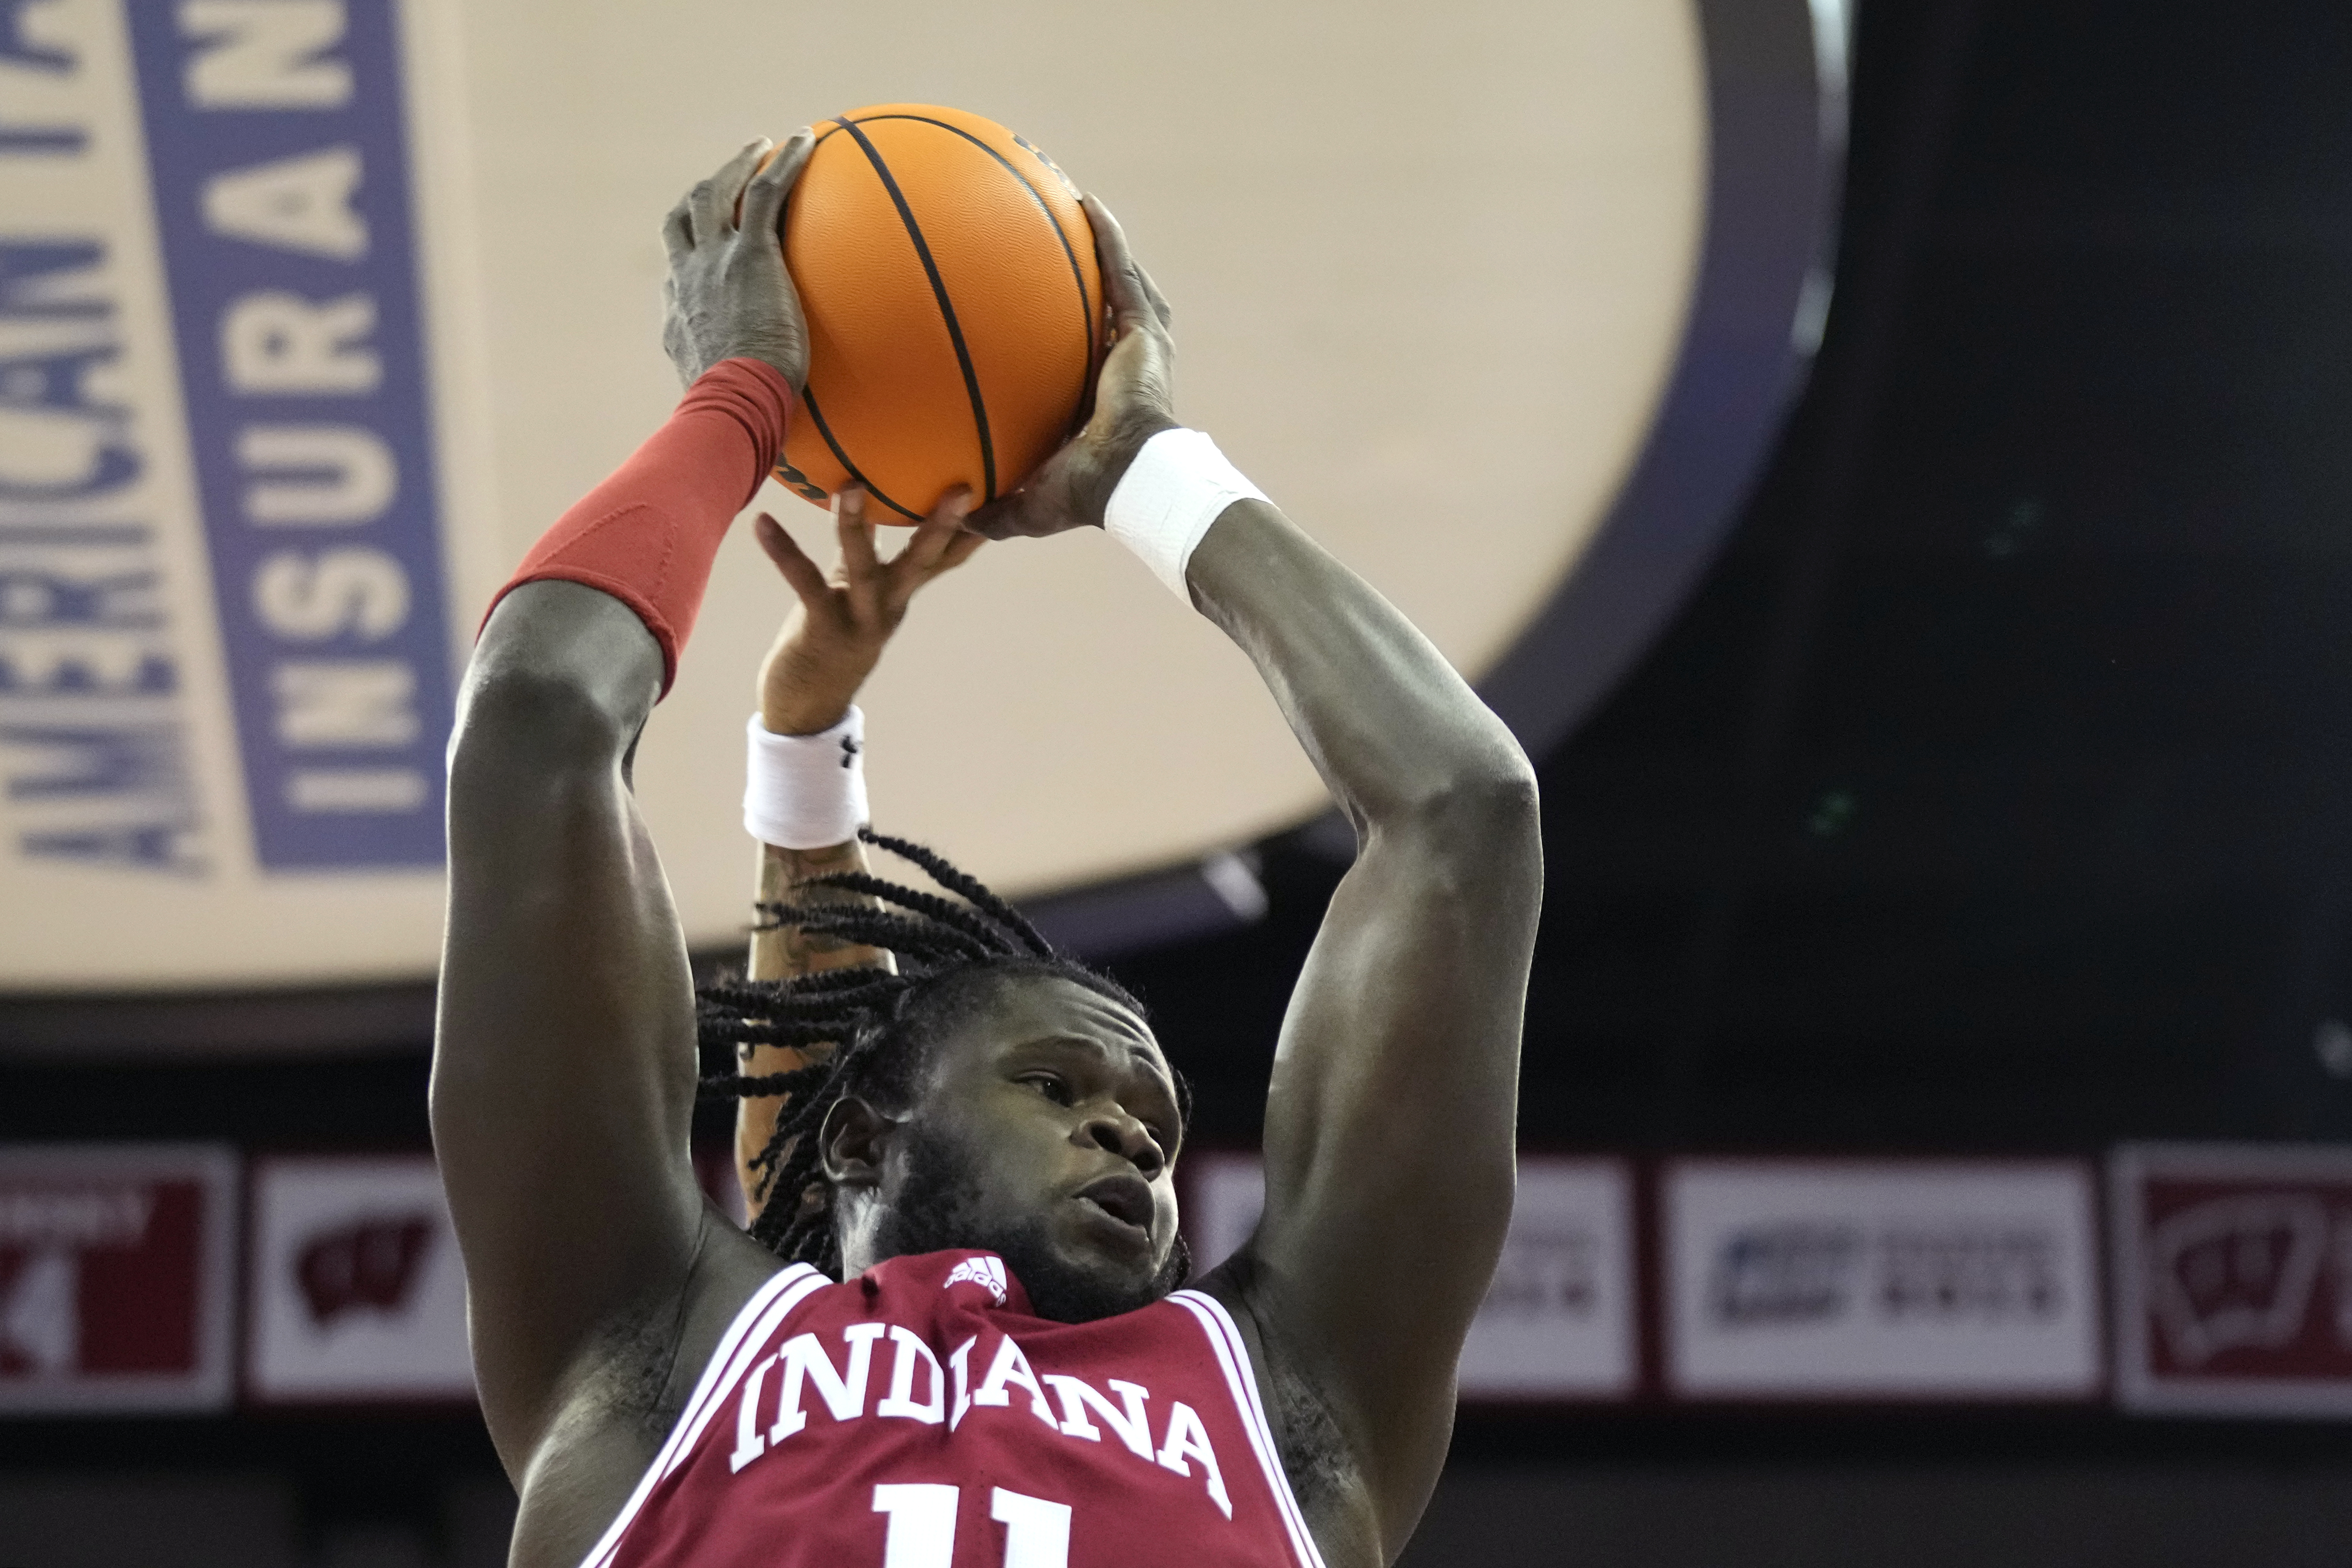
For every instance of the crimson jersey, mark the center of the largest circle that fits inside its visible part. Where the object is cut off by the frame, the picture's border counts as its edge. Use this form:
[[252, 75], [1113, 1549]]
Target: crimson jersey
[[919, 1417]]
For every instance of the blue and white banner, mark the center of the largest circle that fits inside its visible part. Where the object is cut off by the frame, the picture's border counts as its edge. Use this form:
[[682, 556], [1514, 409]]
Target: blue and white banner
[[315, 313], [276, 148], [226, 645]]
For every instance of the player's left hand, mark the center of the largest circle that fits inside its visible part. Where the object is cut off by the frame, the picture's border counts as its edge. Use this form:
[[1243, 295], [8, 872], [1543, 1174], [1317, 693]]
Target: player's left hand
[[1134, 400], [826, 650]]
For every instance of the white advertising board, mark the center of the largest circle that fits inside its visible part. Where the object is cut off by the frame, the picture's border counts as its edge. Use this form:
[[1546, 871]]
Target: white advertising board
[[1880, 1280], [356, 1293], [1561, 1320], [117, 1277]]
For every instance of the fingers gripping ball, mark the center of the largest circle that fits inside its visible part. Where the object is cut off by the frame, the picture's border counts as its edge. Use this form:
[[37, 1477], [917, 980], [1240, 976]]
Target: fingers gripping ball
[[954, 308]]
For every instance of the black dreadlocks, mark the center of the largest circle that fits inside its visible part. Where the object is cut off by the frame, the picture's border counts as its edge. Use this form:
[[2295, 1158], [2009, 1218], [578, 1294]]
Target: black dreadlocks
[[870, 1024]]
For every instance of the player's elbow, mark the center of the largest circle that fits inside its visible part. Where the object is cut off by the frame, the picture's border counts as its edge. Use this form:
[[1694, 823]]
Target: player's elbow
[[1483, 803], [562, 677], [518, 720]]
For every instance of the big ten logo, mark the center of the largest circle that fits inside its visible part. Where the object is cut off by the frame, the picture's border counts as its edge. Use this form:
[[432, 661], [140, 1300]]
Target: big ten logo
[[2241, 1272], [371, 1265], [1784, 1273], [1979, 1272], [43, 1238], [1549, 1270]]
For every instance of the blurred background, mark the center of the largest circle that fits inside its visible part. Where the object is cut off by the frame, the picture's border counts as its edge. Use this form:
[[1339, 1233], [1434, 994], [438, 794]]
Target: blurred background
[[1940, 1051]]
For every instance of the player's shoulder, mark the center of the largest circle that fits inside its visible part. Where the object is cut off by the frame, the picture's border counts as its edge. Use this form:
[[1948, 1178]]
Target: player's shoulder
[[1324, 1470], [627, 1390], [644, 1367]]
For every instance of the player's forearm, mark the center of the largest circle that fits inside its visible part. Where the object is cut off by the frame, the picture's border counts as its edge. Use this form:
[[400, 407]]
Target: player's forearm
[[804, 786], [645, 538], [1397, 735], [585, 638], [780, 953]]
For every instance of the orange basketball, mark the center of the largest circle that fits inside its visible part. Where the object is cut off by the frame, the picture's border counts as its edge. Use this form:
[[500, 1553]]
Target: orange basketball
[[954, 308]]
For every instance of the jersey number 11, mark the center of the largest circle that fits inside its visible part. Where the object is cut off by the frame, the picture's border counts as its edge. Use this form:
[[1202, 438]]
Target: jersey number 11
[[923, 1520]]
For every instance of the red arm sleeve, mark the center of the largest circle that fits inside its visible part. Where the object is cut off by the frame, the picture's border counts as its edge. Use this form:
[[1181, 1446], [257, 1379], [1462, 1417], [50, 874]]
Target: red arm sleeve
[[648, 534]]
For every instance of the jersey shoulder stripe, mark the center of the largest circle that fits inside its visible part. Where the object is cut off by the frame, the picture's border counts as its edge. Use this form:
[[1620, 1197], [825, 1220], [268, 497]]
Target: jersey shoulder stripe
[[1233, 1357], [769, 1306]]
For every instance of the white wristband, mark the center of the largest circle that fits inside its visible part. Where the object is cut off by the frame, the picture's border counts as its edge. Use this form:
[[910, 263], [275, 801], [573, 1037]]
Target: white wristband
[[806, 791], [1164, 503]]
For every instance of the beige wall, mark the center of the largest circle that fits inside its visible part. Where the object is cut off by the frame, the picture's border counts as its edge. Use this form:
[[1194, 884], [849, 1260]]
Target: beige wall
[[1430, 264]]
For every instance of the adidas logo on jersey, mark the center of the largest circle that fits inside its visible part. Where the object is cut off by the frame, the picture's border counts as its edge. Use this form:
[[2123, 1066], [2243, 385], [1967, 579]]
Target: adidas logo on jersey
[[987, 1272]]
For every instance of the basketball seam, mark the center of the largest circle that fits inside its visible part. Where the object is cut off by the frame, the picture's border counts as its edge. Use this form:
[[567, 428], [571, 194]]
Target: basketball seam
[[808, 398], [1077, 276], [947, 306]]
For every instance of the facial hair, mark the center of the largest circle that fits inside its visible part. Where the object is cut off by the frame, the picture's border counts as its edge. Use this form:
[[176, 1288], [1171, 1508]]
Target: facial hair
[[934, 1214]]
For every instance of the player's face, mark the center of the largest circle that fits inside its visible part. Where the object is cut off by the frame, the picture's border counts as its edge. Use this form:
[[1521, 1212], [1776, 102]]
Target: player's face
[[1047, 1133]]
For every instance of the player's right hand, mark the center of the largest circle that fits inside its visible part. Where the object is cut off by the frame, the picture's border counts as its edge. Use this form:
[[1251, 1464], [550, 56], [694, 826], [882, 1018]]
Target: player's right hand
[[729, 294], [825, 650], [1134, 400]]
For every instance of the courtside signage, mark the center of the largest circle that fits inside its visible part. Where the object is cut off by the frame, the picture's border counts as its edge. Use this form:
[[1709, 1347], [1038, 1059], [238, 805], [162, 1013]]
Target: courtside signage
[[1559, 1320], [225, 646], [1853, 1280], [356, 1292], [116, 1278], [2232, 1278]]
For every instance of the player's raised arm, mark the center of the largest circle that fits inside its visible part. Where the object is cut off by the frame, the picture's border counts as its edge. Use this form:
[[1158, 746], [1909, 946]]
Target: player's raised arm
[[564, 1055], [1389, 1130], [807, 685]]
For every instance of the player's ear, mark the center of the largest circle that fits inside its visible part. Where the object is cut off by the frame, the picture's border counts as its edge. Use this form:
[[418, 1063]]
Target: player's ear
[[852, 1141]]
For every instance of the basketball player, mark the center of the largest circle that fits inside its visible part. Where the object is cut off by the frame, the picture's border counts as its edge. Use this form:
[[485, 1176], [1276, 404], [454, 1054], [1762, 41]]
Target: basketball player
[[1005, 1376]]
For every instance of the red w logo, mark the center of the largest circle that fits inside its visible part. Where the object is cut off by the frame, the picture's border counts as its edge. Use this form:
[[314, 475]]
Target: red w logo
[[372, 1263]]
